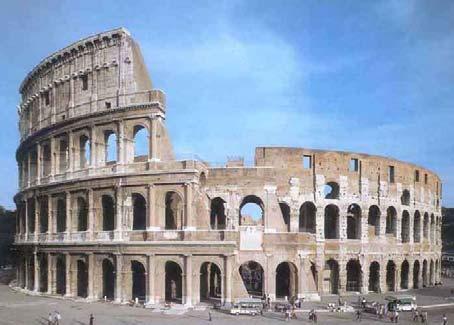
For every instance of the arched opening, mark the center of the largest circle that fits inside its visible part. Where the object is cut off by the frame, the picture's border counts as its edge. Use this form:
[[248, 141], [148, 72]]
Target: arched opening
[[174, 211], [31, 215], [31, 273], [405, 197], [203, 179], [63, 152], [404, 275], [210, 282], [331, 191], [108, 213], [354, 222], [424, 274], [391, 221], [331, 276], [374, 277], [431, 273], [138, 281], [251, 211], [425, 228], [61, 275], [285, 210], [405, 230], [217, 213], [417, 227], [391, 276], [82, 279], [61, 215], [307, 217], [108, 279], [353, 276], [84, 151], [139, 213], [416, 268], [43, 271], [43, 214], [331, 222], [252, 274], [173, 282], [47, 157], [286, 280], [110, 140], [373, 220], [141, 146], [432, 228], [82, 214]]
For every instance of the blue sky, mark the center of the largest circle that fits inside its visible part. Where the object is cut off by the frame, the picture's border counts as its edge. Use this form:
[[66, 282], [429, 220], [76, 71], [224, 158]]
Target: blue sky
[[367, 76]]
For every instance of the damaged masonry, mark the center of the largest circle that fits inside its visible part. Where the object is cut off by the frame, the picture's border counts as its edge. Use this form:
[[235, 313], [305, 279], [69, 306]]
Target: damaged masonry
[[100, 217]]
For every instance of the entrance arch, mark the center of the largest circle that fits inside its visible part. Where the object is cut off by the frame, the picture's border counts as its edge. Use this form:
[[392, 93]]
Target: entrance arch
[[353, 276], [139, 212], [108, 279], [331, 276], [424, 273], [354, 222], [286, 280], [43, 271], [331, 222], [391, 276], [416, 268], [252, 274], [61, 275], [374, 277], [210, 282], [82, 279], [138, 281], [173, 282]]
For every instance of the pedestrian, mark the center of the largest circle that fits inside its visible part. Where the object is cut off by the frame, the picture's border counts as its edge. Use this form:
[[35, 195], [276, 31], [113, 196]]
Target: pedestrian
[[445, 320], [340, 301], [396, 316], [57, 318], [415, 314], [358, 315], [293, 314], [363, 303], [50, 319], [92, 320], [315, 316], [209, 315], [287, 314]]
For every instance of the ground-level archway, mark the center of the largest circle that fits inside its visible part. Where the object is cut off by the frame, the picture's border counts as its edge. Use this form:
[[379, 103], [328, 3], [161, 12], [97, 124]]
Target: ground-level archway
[[353, 276], [82, 279], [252, 274], [108, 279], [61, 275], [404, 270], [286, 280], [416, 268], [210, 282], [138, 281], [374, 277], [43, 272], [173, 282], [331, 276], [391, 276], [424, 274]]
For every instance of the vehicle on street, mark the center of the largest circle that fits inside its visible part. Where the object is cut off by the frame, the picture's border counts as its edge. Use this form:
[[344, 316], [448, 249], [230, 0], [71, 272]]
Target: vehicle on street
[[401, 303]]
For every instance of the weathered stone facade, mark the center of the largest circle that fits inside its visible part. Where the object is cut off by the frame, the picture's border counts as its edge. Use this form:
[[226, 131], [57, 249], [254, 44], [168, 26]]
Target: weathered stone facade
[[96, 219]]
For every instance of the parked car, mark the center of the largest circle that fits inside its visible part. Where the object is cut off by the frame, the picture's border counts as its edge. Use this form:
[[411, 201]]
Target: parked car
[[249, 306], [371, 307], [282, 306], [401, 303]]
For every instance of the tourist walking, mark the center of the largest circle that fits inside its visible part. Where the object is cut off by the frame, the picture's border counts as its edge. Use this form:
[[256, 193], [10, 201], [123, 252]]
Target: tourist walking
[[415, 315], [92, 320], [50, 319], [445, 320], [358, 315], [209, 315], [57, 318]]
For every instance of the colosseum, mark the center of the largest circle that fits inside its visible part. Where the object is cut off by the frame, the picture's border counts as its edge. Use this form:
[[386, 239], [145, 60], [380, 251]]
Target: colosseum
[[101, 218]]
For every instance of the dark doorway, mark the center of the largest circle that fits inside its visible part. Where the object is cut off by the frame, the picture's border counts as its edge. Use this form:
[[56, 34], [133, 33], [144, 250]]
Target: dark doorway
[[108, 279], [252, 274], [173, 282], [374, 277], [210, 281], [82, 279], [138, 281], [286, 280]]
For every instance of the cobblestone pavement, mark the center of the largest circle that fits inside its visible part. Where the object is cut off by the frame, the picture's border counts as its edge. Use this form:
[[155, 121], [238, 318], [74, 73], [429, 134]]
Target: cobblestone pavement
[[18, 308]]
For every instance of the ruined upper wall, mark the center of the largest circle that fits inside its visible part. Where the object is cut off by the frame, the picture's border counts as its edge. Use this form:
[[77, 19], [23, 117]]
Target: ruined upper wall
[[98, 73], [372, 173]]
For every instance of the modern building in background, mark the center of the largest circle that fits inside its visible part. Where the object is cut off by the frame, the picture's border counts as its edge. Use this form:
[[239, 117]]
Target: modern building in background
[[98, 216]]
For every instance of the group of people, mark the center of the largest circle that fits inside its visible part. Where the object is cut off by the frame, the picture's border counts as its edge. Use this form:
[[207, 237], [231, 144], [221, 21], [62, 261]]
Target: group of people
[[55, 319]]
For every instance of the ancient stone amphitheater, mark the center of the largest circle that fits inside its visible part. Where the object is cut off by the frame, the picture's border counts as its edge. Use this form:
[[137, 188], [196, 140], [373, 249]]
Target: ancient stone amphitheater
[[101, 218]]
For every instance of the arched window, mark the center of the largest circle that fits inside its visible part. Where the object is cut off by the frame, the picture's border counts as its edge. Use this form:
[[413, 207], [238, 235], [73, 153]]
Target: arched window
[[425, 228], [331, 190], [374, 277], [173, 282], [391, 276], [43, 214], [138, 281], [251, 211], [84, 151], [141, 146], [331, 222], [61, 215], [253, 278], [217, 213], [285, 210], [82, 214], [174, 211], [307, 217], [110, 140], [417, 227], [404, 274], [108, 213], [405, 198], [139, 212], [405, 229], [353, 276], [373, 219], [354, 222], [332, 268], [391, 221]]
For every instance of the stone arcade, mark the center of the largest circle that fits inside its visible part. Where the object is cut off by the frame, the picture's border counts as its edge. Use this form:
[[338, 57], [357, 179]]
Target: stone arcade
[[100, 217]]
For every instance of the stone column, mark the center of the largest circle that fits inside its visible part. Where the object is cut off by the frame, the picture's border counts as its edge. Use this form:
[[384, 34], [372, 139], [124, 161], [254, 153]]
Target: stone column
[[29, 174], [410, 274], [50, 212], [342, 276], [37, 217], [36, 271], [26, 219], [70, 168], [91, 276], [91, 214], [118, 277], [52, 159], [68, 274], [187, 297], [93, 145], [153, 140], [188, 206], [38, 163], [151, 224], [151, 294], [365, 276], [49, 274], [120, 143], [68, 213], [270, 278], [228, 279], [118, 212]]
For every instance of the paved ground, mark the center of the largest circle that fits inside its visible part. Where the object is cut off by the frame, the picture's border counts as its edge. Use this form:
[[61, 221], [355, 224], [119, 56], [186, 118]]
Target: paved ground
[[18, 308]]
